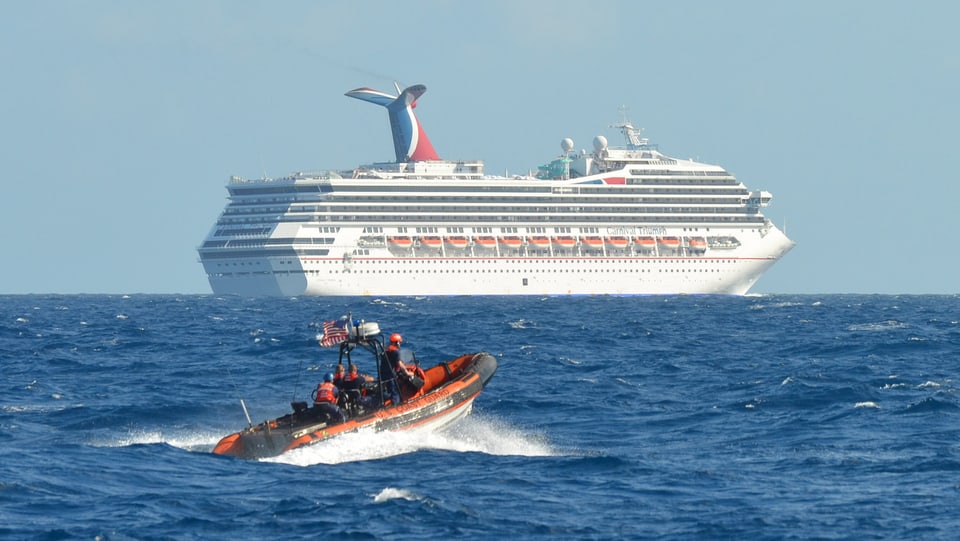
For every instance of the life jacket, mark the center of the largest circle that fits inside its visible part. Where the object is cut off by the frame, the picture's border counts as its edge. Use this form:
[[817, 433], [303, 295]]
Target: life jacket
[[351, 382], [325, 393]]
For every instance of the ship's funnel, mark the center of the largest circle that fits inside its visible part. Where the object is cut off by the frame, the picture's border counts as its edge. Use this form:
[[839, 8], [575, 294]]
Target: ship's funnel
[[410, 142]]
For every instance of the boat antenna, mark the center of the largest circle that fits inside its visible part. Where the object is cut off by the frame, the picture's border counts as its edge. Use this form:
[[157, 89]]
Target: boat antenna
[[246, 413], [297, 382], [236, 388]]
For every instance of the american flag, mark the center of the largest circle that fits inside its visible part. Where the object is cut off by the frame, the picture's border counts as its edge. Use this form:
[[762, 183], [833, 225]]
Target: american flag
[[334, 332]]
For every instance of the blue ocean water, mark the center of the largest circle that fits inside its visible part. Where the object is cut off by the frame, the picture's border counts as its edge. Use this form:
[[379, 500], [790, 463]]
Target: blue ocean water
[[761, 417]]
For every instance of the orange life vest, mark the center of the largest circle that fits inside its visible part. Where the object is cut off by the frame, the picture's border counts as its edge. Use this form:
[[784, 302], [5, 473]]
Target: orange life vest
[[325, 393]]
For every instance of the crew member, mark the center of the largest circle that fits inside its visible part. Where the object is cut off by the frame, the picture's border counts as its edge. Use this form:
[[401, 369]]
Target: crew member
[[325, 400], [409, 380], [338, 376], [354, 385], [388, 378], [354, 381]]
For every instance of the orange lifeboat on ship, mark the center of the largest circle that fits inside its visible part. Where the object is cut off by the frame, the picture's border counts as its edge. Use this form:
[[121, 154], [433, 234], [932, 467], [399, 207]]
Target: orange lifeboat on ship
[[400, 242], [564, 242], [456, 242], [430, 242], [485, 242], [645, 243], [669, 243], [697, 245], [511, 242], [617, 243], [592, 243], [538, 242]]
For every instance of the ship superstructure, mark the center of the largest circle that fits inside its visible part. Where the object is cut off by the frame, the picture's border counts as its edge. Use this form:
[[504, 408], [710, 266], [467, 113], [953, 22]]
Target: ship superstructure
[[627, 220]]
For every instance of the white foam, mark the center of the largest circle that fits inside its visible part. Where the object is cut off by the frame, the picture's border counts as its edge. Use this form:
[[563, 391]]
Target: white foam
[[887, 325], [474, 434], [523, 324], [391, 493], [188, 441]]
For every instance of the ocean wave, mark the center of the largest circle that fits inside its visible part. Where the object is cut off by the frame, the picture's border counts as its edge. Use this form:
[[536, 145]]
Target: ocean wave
[[931, 405], [880, 326], [391, 493]]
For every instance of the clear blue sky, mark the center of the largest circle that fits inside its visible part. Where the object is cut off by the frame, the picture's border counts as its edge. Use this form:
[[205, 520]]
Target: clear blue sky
[[121, 122]]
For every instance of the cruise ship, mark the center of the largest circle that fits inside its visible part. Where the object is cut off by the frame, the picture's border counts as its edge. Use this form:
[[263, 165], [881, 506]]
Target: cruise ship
[[623, 220]]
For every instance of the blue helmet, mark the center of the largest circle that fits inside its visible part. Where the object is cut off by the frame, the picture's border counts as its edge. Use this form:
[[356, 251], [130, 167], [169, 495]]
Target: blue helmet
[[328, 377]]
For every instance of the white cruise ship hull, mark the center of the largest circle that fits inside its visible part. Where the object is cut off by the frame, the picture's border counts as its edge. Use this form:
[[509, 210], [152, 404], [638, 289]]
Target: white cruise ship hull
[[731, 272]]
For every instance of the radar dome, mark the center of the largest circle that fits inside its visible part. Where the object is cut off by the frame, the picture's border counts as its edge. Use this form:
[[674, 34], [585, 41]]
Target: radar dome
[[599, 143], [566, 144]]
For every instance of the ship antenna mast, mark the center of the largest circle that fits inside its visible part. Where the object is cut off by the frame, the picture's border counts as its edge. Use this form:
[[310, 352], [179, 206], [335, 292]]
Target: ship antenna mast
[[631, 134]]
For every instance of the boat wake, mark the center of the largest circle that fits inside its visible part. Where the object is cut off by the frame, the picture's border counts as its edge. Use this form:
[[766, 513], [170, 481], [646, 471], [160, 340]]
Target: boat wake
[[188, 441], [476, 433]]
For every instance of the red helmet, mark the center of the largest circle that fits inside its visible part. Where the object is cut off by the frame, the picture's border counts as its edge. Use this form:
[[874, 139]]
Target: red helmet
[[396, 338]]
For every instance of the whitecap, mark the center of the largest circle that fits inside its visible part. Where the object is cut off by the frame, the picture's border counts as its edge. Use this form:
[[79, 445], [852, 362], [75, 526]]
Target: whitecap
[[880, 326], [522, 324], [391, 493]]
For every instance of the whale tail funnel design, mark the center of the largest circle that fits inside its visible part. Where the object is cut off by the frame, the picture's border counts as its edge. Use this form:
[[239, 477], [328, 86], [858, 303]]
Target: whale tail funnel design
[[410, 142]]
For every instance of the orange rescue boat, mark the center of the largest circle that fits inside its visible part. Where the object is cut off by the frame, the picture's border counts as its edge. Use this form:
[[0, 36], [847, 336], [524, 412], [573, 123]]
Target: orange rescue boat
[[440, 396]]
